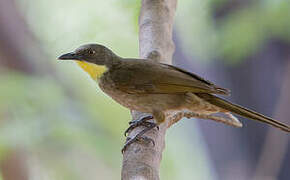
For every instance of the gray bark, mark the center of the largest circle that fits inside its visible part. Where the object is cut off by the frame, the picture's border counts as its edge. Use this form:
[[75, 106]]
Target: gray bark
[[140, 160]]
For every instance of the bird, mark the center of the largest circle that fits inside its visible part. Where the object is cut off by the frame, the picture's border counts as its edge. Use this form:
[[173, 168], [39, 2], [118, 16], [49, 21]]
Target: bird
[[148, 86]]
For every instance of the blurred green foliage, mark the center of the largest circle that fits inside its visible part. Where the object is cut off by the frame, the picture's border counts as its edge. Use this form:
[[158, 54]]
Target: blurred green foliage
[[236, 35], [70, 128]]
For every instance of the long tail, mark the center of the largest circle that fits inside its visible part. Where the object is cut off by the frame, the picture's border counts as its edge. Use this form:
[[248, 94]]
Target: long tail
[[242, 111]]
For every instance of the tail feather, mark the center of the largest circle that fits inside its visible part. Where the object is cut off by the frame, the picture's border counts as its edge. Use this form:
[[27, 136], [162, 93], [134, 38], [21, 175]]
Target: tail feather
[[242, 111]]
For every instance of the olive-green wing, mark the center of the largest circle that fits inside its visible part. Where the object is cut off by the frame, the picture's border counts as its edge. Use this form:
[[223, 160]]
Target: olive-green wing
[[148, 77]]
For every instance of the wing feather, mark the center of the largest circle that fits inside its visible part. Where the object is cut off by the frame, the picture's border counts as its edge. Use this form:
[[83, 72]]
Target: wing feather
[[148, 77]]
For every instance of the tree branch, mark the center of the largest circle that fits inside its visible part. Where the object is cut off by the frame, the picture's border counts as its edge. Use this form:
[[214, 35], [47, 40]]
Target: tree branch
[[140, 160]]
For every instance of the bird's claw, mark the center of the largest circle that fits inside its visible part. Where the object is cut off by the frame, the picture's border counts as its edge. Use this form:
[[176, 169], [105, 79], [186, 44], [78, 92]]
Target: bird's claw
[[132, 126], [144, 118], [139, 137], [144, 139], [139, 122]]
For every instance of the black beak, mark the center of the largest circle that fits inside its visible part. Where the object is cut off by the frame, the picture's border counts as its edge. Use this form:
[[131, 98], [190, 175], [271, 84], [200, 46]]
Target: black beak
[[69, 56]]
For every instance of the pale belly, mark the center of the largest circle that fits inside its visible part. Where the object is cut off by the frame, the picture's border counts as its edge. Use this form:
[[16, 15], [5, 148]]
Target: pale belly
[[146, 102]]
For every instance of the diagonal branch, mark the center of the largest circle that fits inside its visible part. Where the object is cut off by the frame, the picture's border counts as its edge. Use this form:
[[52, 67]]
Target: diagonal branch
[[228, 120]]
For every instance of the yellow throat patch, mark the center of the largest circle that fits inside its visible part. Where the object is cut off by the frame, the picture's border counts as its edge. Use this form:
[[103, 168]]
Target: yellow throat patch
[[95, 71]]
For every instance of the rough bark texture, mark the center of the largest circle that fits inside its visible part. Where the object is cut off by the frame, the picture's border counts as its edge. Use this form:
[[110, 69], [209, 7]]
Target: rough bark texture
[[141, 160]]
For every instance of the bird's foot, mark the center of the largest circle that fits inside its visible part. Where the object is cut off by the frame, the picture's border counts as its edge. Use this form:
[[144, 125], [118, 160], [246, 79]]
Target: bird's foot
[[143, 121], [140, 137]]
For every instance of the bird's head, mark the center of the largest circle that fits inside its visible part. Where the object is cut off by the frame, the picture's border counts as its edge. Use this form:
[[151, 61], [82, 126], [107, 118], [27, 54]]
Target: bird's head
[[91, 53], [95, 59]]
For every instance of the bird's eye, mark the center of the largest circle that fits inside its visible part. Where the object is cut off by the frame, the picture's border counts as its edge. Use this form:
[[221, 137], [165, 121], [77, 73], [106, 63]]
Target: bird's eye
[[91, 52]]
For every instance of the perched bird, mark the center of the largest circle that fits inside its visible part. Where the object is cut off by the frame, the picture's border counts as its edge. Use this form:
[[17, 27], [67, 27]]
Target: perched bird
[[147, 86]]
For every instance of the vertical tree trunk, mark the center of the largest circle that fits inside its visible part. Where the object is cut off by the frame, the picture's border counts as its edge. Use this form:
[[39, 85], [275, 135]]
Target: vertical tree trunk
[[142, 161]]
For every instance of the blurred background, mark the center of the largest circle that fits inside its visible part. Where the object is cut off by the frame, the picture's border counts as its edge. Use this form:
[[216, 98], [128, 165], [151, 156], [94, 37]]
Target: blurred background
[[56, 124]]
